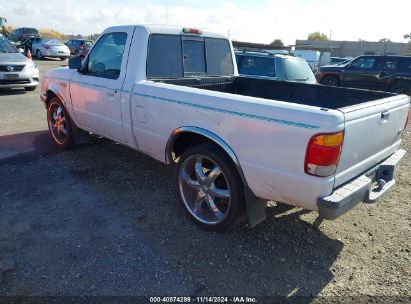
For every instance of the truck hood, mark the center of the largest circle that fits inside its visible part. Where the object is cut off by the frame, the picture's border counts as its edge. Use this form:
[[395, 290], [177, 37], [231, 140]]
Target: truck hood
[[63, 73], [8, 58], [332, 68]]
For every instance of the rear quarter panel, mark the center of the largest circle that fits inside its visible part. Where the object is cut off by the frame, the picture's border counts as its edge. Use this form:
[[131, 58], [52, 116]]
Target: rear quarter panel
[[268, 137]]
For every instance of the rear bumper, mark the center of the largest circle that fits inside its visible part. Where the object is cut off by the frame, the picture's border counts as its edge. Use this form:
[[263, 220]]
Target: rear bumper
[[361, 189]]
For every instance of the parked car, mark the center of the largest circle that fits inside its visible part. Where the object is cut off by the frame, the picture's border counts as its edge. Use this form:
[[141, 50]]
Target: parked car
[[25, 33], [383, 73], [79, 47], [49, 47], [16, 70], [237, 141], [277, 66]]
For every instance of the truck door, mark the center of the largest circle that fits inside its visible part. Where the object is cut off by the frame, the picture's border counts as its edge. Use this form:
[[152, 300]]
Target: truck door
[[358, 74], [95, 92]]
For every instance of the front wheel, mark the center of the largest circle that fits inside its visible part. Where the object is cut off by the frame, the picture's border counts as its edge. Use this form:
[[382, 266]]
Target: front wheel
[[401, 87], [330, 81], [60, 125], [209, 188]]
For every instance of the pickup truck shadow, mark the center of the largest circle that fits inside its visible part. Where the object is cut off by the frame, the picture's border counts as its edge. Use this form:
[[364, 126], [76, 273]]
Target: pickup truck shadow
[[118, 198]]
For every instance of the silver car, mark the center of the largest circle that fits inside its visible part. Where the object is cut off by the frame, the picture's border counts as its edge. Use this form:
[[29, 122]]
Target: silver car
[[16, 70], [49, 47]]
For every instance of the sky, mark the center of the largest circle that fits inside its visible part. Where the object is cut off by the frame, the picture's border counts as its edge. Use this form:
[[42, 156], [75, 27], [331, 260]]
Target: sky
[[255, 21]]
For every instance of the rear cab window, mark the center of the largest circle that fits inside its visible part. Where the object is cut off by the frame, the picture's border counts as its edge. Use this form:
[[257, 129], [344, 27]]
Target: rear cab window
[[257, 66], [177, 56]]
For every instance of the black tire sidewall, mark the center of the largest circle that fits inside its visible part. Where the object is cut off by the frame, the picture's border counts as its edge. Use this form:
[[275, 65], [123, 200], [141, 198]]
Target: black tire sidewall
[[237, 206], [326, 79], [401, 84], [69, 140]]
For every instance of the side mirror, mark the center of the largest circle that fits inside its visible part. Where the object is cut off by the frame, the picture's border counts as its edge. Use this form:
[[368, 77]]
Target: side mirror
[[75, 63]]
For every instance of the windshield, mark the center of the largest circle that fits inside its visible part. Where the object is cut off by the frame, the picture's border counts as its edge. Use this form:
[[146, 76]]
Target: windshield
[[298, 70], [6, 46], [51, 41]]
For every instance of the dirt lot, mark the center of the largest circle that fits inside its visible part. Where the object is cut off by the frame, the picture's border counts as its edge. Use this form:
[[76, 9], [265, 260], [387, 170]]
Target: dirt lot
[[104, 220]]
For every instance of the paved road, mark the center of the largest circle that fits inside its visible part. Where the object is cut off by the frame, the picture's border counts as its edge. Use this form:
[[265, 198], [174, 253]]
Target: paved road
[[104, 220]]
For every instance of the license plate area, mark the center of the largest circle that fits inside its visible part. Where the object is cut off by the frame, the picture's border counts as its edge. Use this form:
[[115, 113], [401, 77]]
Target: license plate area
[[11, 76]]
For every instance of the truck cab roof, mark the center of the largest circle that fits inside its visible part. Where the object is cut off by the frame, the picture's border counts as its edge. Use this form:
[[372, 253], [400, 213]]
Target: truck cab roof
[[168, 30]]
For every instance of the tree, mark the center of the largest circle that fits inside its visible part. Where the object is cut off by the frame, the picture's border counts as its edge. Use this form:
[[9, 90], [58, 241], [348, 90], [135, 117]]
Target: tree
[[384, 40], [277, 42], [318, 36], [407, 50]]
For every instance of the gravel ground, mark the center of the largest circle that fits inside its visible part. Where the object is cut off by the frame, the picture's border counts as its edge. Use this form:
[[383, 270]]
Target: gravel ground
[[104, 220]]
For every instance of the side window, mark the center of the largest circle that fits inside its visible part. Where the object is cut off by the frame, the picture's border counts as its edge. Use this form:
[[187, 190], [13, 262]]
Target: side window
[[259, 66], [106, 57], [363, 63]]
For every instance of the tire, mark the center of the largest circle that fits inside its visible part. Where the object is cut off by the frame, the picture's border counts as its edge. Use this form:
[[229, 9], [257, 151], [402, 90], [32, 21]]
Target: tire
[[30, 89], [209, 188], [39, 56], [401, 87], [61, 130], [331, 80]]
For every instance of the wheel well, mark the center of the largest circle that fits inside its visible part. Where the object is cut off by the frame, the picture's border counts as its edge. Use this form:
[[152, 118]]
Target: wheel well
[[186, 140], [406, 81], [50, 94]]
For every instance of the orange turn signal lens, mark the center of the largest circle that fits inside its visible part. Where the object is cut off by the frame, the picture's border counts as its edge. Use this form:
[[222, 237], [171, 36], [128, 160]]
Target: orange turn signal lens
[[329, 140]]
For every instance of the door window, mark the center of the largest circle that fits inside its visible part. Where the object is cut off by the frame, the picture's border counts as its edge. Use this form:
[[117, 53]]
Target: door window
[[106, 57], [363, 63], [386, 63]]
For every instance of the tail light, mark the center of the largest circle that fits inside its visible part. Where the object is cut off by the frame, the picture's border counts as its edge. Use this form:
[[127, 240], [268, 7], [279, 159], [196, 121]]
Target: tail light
[[192, 31], [46, 46], [323, 154]]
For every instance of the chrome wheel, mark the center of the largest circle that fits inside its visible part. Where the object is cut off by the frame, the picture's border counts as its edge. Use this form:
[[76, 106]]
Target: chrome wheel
[[57, 123], [204, 189]]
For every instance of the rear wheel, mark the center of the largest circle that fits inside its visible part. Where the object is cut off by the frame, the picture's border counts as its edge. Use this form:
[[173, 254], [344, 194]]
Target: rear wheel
[[209, 188], [401, 87], [331, 80], [60, 124]]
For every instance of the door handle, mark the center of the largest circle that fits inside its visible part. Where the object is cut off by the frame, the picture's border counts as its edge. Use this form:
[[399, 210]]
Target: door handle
[[111, 92], [384, 117]]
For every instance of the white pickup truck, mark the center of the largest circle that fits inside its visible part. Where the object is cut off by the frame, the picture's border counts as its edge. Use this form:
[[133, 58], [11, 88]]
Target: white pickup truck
[[175, 94]]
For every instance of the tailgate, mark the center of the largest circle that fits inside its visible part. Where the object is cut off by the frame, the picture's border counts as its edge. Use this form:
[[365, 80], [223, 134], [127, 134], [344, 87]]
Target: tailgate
[[372, 133]]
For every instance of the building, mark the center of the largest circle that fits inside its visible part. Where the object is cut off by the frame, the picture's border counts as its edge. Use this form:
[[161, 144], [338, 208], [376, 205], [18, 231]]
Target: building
[[354, 48]]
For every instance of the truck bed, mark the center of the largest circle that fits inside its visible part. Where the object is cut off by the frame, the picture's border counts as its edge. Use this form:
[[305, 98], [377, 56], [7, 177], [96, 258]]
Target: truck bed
[[293, 92]]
